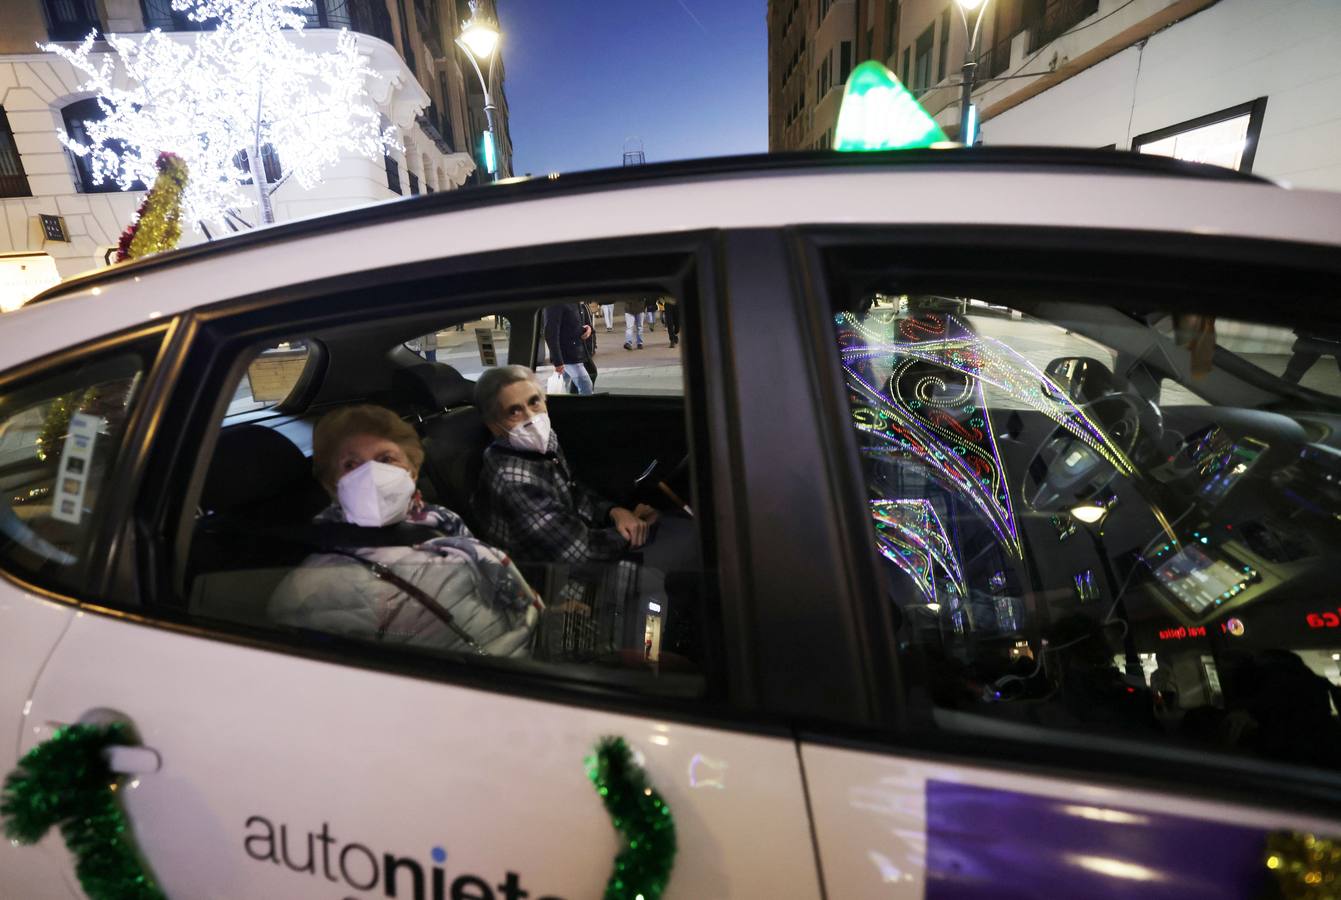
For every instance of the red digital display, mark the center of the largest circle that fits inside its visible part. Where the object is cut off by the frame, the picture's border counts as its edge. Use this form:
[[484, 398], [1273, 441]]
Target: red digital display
[[1182, 633], [1324, 619]]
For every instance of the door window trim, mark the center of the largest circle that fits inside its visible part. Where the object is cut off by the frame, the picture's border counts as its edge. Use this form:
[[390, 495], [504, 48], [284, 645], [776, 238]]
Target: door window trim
[[491, 282], [985, 252]]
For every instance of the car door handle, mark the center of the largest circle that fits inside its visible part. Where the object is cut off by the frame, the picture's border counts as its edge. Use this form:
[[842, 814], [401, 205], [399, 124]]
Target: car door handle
[[122, 759], [133, 760]]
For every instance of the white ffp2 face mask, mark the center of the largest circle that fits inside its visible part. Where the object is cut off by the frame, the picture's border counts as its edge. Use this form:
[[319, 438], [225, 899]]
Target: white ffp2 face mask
[[375, 494], [533, 434]]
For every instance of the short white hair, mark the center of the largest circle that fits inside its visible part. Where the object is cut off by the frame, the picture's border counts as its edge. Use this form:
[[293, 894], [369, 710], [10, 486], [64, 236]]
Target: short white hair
[[491, 384]]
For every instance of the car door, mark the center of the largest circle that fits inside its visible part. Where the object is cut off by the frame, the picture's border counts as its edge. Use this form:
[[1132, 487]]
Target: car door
[[300, 765], [1100, 518]]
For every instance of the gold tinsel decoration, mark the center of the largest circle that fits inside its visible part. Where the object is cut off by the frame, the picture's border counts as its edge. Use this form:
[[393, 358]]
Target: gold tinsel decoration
[[1305, 866], [158, 225]]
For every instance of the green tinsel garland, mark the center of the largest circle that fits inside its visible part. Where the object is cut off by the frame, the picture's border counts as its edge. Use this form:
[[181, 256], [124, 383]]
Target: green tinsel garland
[[643, 867], [157, 225], [65, 781]]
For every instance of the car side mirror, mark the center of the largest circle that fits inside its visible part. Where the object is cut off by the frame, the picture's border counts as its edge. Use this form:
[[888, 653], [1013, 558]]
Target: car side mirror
[[1082, 378]]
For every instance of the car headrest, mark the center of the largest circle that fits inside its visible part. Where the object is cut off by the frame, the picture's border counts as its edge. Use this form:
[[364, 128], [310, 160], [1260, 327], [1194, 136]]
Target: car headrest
[[433, 386], [251, 464]]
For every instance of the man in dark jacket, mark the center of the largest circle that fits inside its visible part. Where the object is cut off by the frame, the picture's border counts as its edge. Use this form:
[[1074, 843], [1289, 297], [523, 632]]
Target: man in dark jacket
[[565, 334]]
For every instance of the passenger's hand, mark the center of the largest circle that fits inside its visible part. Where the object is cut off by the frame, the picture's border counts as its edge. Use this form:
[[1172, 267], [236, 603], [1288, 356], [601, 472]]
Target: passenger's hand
[[630, 526], [647, 513], [558, 369], [586, 332]]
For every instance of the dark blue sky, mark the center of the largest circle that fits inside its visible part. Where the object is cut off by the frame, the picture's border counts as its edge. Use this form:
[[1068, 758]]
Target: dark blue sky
[[581, 77]]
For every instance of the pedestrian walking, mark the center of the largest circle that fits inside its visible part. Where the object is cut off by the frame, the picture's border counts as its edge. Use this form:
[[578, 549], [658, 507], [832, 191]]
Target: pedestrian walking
[[589, 344], [608, 313], [672, 319], [650, 311], [564, 334], [1310, 345], [633, 321]]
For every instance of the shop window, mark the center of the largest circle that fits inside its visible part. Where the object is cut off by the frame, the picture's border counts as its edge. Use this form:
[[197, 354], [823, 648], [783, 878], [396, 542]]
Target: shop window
[[1226, 138]]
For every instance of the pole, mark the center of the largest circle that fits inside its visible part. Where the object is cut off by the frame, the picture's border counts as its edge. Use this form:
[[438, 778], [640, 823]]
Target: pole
[[488, 110], [966, 100]]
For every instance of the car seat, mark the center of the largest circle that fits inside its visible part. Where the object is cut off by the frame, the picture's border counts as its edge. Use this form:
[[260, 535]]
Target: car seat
[[257, 480], [453, 430]]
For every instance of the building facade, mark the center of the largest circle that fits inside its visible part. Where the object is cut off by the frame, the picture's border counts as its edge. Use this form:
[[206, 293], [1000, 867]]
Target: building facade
[[1249, 84], [54, 221], [811, 50]]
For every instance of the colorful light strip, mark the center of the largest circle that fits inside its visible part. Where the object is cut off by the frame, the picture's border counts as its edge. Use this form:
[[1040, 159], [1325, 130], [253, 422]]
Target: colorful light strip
[[910, 533]]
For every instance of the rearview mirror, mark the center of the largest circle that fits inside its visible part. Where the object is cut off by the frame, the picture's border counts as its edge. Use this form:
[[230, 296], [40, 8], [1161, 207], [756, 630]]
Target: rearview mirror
[[1082, 378]]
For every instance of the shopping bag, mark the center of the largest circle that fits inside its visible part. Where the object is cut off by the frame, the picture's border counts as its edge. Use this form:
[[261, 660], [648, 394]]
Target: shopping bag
[[556, 384]]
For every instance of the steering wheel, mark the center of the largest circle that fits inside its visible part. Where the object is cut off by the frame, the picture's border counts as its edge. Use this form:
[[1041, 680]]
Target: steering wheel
[[656, 477], [1066, 470]]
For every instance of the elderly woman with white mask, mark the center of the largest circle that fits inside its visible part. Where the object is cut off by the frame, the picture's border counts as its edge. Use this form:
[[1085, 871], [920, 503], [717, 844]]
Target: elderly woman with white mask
[[436, 587]]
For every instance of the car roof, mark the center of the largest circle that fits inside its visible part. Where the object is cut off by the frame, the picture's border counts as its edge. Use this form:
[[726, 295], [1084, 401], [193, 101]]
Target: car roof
[[1006, 186]]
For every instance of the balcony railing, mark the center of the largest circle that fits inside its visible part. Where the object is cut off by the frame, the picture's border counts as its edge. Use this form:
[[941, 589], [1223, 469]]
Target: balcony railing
[[365, 16], [1059, 17]]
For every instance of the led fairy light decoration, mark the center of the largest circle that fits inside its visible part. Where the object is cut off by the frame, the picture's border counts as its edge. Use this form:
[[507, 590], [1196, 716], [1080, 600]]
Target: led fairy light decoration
[[919, 415], [212, 96], [947, 341], [910, 534]]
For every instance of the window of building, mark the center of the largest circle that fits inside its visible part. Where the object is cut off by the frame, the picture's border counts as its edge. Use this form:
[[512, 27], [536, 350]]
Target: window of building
[[1226, 138], [891, 20], [414, 183], [406, 44], [161, 14], [71, 20], [445, 127], [392, 172], [944, 61], [13, 181], [76, 116], [922, 59], [844, 61], [59, 438], [907, 54], [270, 164]]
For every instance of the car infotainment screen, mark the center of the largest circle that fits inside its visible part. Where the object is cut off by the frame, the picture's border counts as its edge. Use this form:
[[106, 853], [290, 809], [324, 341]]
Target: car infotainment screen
[[1198, 581], [1221, 463]]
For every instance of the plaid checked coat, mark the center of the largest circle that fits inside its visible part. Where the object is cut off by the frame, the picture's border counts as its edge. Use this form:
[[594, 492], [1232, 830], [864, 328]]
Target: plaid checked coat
[[529, 504]]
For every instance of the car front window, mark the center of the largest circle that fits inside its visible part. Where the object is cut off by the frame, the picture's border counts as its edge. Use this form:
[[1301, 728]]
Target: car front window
[[1089, 522]]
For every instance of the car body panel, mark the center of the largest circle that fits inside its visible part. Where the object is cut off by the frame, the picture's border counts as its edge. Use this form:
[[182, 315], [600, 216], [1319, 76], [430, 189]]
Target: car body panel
[[402, 766], [1069, 200], [900, 827], [30, 628]]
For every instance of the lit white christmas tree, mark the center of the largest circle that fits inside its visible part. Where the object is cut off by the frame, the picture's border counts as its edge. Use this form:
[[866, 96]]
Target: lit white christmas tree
[[212, 96]]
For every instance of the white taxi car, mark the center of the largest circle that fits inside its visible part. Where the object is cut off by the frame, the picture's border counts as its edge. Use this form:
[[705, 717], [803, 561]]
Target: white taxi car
[[1016, 482]]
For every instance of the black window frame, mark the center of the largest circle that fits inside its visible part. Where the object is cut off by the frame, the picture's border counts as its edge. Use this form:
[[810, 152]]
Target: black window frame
[[923, 50], [74, 22], [13, 179], [829, 259], [75, 116], [1254, 109], [154, 345], [943, 64], [414, 181], [677, 264]]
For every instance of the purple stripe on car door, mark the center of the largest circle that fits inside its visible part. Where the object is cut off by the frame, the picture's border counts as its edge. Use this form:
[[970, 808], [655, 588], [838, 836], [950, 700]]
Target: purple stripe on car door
[[983, 843]]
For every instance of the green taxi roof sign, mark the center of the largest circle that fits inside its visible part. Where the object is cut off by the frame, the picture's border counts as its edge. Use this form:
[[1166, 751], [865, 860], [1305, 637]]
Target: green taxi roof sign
[[878, 113]]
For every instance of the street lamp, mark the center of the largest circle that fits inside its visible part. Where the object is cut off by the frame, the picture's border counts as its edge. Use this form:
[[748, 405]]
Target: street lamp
[[479, 38], [968, 124]]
